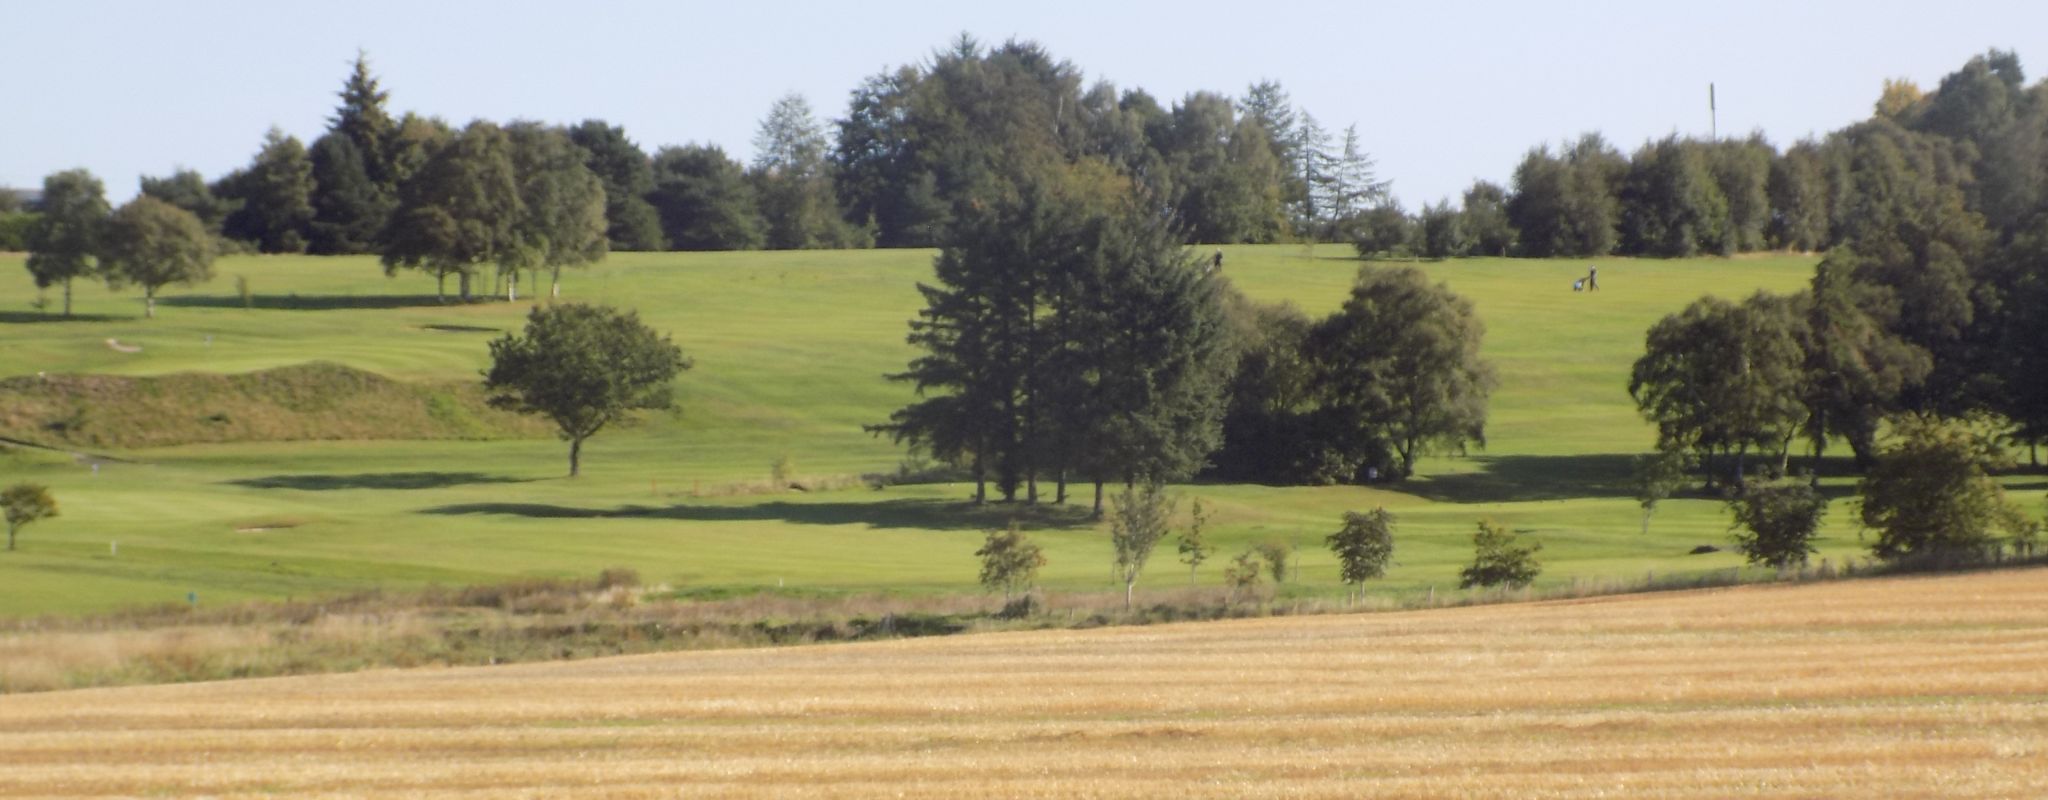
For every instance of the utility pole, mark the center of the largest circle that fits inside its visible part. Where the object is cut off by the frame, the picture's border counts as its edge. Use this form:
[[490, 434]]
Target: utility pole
[[1713, 116]]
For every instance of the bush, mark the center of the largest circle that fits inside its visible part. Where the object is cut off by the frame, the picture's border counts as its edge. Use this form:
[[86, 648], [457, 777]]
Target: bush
[[1499, 559], [1775, 522], [1931, 492]]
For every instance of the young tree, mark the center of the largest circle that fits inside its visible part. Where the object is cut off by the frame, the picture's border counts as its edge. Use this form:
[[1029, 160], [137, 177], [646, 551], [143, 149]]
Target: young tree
[[1139, 520], [152, 244], [1655, 476], [1402, 366], [583, 367], [1364, 547], [1244, 573], [25, 503], [1775, 522], [1931, 492], [1278, 557], [1009, 562], [1194, 549], [1500, 559], [63, 243]]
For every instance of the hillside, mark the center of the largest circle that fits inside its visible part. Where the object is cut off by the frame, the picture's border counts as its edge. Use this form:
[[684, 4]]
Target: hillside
[[1911, 687], [790, 350]]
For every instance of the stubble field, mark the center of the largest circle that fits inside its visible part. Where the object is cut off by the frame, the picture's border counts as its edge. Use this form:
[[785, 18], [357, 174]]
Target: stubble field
[[1898, 687]]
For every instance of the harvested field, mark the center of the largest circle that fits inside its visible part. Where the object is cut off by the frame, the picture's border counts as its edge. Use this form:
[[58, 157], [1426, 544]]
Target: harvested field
[[1901, 687]]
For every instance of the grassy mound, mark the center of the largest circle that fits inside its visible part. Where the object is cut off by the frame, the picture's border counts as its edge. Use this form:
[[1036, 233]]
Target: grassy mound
[[314, 401]]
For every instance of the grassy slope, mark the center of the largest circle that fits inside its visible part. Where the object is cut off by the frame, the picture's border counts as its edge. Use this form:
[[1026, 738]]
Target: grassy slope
[[789, 347]]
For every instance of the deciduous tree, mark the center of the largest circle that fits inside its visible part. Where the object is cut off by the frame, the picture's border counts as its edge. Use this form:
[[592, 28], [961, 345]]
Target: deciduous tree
[[25, 503], [1499, 558], [583, 367], [152, 244], [1775, 522], [63, 243], [1364, 547]]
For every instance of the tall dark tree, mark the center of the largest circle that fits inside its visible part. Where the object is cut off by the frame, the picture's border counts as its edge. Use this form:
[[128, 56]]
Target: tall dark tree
[[1564, 203], [704, 200], [1403, 368], [1857, 370], [363, 121], [186, 189], [350, 209], [622, 167], [1670, 205], [152, 244], [63, 243], [276, 193], [1741, 171], [460, 212], [1797, 188]]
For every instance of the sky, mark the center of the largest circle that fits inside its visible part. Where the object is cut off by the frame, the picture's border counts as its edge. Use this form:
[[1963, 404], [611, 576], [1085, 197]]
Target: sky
[[1442, 92]]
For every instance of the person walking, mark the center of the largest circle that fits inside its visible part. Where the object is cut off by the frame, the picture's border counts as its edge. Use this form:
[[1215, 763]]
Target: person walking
[[1592, 278]]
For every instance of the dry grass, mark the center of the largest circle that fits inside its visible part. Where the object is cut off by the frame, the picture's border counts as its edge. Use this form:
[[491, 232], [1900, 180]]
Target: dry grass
[[1896, 687]]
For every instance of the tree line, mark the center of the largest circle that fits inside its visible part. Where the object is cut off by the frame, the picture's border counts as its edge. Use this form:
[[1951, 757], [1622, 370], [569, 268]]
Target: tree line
[[1981, 132]]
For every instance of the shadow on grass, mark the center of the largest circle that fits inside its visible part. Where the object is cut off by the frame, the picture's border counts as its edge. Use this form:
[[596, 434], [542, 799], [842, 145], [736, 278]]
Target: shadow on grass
[[374, 480], [311, 302], [1521, 479], [32, 317], [907, 513]]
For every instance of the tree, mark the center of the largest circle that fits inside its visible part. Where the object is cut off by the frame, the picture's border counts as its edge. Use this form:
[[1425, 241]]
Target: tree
[[1724, 378], [460, 211], [1278, 555], [1500, 559], [622, 167], [704, 200], [1670, 205], [1798, 194], [152, 244], [1141, 517], [1440, 230], [1244, 573], [350, 209], [583, 367], [64, 241], [1381, 231], [276, 192], [1655, 476], [26, 503], [793, 181], [1485, 218], [186, 189], [363, 121], [1402, 365], [1931, 493], [562, 222], [1352, 183], [1009, 561], [1775, 522], [1856, 369], [1364, 547], [1193, 548], [1564, 204]]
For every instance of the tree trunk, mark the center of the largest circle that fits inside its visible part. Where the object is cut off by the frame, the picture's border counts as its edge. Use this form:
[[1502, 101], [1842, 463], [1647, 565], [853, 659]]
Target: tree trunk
[[149, 304], [1098, 498], [575, 457], [980, 481], [1741, 455], [1646, 521], [1127, 594], [67, 315], [555, 287], [464, 285], [1060, 494], [441, 288], [10, 537]]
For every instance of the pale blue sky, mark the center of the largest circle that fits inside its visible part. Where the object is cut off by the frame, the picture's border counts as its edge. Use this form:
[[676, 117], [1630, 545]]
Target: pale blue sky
[[1442, 92]]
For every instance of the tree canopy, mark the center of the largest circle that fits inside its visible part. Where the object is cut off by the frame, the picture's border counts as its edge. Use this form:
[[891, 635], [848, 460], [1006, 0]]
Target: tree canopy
[[583, 367]]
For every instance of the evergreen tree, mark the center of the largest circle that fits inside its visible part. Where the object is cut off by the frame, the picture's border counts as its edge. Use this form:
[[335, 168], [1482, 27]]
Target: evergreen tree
[[276, 193], [64, 241], [350, 210], [363, 121]]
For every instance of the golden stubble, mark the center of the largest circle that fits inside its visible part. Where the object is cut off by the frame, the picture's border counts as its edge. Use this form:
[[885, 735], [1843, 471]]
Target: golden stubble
[[1902, 687]]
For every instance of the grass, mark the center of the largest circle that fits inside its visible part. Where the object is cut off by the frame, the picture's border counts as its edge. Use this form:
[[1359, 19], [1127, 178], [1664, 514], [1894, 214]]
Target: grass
[[1894, 687], [790, 349]]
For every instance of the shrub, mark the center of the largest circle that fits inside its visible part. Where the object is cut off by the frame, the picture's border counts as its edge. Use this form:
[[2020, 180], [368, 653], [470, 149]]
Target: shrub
[[1775, 522], [1500, 559]]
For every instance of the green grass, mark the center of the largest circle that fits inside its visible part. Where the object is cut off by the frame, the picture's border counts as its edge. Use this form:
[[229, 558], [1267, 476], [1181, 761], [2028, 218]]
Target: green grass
[[790, 349]]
